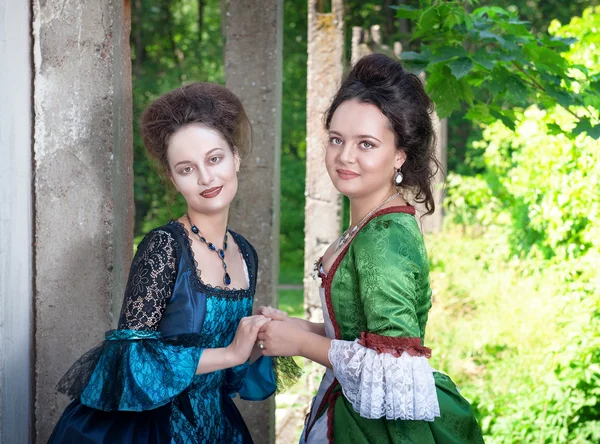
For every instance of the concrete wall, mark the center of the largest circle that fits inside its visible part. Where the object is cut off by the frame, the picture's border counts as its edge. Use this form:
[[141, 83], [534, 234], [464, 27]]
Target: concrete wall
[[82, 184], [253, 69], [15, 223]]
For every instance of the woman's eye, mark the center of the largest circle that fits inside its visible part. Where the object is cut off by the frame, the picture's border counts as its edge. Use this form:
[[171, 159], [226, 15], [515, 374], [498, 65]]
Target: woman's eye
[[335, 141], [186, 170], [366, 145], [214, 159]]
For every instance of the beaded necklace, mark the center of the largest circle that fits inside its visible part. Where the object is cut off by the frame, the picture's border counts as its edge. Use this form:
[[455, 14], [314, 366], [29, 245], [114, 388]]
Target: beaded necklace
[[220, 252]]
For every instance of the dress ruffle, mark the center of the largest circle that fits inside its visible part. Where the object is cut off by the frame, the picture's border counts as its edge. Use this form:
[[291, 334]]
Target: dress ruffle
[[382, 385], [133, 370]]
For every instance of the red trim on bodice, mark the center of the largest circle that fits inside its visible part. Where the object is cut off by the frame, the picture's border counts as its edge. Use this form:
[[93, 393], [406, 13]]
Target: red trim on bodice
[[327, 280], [394, 345]]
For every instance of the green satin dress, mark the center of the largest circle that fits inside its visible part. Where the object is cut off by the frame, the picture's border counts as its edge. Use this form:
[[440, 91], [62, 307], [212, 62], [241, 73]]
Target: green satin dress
[[382, 390]]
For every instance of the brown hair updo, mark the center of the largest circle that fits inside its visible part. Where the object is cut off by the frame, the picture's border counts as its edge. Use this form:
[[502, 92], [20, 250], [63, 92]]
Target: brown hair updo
[[206, 103], [400, 96]]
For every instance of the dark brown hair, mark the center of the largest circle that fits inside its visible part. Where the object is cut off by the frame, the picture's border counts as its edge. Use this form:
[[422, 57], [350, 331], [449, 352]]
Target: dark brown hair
[[400, 96], [206, 103]]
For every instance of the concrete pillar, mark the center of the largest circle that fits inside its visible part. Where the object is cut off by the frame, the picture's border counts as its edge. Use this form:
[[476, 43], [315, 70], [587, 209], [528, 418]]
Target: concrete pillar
[[433, 222], [16, 281], [253, 69], [323, 203], [83, 194]]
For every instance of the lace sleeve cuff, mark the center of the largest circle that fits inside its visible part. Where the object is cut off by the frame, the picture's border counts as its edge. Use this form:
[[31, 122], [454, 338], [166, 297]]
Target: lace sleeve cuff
[[393, 380], [133, 370]]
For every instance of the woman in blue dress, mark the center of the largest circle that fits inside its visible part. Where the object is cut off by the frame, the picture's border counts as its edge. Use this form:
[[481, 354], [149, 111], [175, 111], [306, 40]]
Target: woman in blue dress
[[186, 338]]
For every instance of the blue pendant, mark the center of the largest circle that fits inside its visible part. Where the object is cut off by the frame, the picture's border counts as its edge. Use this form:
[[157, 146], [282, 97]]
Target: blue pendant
[[221, 254], [195, 229], [212, 246], [226, 279]]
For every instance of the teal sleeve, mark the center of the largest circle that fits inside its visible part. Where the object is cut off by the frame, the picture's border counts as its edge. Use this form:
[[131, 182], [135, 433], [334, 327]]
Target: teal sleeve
[[133, 370]]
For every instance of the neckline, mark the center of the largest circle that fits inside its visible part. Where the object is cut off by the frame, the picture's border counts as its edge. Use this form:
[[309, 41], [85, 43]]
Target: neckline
[[407, 209], [197, 277]]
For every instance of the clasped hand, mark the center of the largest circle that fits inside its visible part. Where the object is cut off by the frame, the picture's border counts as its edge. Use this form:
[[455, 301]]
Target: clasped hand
[[282, 336]]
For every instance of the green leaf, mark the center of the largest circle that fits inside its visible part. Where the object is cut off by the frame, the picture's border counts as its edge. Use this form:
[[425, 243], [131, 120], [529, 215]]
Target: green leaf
[[448, 52], [405, 11], [484, 58], [554, 129], [415, 66], [491, 36], [498, 79], [460, 67], [508, 122], [480, 113], [546, 58], [517, 91], [584, 126], [445, 91], [561, 96], [516, 21], [411, 55]]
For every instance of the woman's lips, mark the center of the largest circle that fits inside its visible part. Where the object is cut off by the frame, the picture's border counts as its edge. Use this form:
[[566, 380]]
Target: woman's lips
[[211, 192], [347, 174]]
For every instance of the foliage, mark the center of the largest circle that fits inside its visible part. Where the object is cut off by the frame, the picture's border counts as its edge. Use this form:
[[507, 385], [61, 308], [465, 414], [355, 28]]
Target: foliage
[[530, 285], [488, 59]]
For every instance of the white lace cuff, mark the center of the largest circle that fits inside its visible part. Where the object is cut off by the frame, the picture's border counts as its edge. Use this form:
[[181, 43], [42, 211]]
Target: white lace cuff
[[380, 384]]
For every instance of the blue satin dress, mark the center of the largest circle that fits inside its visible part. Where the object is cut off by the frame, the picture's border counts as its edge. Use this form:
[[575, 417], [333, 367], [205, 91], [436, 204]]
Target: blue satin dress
[[139, 385]]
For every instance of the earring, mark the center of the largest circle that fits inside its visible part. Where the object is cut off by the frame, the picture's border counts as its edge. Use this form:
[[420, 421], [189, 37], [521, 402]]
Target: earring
[[398, 177]]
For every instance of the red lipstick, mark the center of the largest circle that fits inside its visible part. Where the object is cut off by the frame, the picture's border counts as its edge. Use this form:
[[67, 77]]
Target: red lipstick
[[211, 192]]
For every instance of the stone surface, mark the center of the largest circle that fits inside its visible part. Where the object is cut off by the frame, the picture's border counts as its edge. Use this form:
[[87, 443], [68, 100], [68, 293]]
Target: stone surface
[[15, 223], [253, 69], [323, 202], [83, 193]]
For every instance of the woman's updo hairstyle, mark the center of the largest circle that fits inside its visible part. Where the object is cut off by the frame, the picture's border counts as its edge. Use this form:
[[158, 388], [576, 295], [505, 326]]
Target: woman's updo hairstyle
[[205, 103], [400, 96]]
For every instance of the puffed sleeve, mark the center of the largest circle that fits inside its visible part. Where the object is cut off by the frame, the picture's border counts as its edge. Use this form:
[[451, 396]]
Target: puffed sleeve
[[135, 369], [385, 372]]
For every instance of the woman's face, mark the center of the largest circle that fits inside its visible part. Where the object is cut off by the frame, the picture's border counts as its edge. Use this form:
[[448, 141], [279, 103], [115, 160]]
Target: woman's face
[[361, 156], [203, 168]]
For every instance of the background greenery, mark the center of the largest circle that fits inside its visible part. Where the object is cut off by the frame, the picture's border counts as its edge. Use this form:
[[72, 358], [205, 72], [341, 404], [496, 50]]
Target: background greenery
[[516, 316]]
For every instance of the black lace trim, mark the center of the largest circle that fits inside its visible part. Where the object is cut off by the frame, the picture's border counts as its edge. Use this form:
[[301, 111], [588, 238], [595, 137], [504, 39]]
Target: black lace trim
[[151, 280], [218, 291]]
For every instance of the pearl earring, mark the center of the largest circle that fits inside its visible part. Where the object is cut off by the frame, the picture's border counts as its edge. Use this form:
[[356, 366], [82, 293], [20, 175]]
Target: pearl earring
[[398, 177]]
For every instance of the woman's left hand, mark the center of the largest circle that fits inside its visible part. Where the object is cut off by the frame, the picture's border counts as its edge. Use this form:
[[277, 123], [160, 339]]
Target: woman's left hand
[[281, 338]]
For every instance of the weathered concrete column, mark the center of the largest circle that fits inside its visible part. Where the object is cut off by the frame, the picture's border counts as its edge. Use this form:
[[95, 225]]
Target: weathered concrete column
[[16, 278], [323, 208], [83, 193], [323, 203], [253, 69], [433, 223]]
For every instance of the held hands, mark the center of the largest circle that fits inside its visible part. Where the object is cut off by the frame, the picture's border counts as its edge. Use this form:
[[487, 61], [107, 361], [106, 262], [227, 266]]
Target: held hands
[[283, 336], [245, 338]]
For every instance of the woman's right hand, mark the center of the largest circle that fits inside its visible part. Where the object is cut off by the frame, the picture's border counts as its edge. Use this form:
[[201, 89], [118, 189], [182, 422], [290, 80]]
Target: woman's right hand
[[280, 315], [245, 338]]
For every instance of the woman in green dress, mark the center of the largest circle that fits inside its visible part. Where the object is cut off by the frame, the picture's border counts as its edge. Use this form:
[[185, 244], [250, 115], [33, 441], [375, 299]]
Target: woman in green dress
[[374, 280]]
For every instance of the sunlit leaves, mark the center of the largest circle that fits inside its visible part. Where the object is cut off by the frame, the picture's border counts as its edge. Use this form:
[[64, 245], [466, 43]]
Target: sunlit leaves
[[489, 55]]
